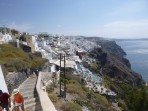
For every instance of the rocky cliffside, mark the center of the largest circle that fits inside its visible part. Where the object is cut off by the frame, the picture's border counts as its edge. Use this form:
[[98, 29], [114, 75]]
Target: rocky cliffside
[[13, 80], [114, 63]]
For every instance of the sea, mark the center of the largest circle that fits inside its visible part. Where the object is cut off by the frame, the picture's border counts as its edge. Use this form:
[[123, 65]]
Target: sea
[[137, 54]]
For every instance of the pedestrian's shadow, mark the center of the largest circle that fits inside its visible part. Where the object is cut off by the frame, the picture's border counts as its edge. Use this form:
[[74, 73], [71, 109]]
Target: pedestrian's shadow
[[37, 101]]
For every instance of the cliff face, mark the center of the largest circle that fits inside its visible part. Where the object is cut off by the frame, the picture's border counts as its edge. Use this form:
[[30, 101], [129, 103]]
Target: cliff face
[[114, 63], [120, 71]]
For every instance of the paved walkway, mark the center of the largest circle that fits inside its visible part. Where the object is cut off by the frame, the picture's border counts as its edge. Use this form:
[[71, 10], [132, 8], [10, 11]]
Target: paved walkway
[[31, 99]]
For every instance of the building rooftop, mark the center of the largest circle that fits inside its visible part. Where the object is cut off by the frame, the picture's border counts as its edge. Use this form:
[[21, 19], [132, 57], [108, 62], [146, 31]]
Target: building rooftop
[[68, 63]]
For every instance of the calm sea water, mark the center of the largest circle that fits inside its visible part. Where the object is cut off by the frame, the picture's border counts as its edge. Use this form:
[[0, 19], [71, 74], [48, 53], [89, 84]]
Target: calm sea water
[[137, 53]]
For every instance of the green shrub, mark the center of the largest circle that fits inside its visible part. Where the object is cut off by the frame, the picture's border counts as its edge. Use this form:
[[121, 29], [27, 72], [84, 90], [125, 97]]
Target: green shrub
[[85, 89], [18, 64], [73, 82], [50, 88], [70, 76], [15, 59], [53, 98], [99, 99], [71, 107], [81, 102], [75, 87], [122, 104], [37, 63]]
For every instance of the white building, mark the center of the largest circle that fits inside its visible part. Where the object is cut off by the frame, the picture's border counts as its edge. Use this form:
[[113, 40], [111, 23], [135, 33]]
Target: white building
[[2, 40], [34, 42], [42, 43], [5, 38]]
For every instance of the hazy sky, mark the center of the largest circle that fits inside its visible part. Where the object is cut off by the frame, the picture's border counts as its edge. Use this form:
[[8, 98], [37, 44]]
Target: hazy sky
[[106, 18]]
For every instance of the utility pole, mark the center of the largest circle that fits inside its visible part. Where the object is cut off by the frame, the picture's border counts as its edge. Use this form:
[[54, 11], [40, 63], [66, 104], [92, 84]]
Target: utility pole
[[64, 76], [60, 74]]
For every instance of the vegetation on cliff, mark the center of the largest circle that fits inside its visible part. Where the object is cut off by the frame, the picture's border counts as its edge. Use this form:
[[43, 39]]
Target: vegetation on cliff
[[136, 98], [79, 96], [14, 59]]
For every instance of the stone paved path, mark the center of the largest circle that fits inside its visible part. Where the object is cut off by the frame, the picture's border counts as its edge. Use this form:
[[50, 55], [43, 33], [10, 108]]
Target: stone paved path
[[31, 99]]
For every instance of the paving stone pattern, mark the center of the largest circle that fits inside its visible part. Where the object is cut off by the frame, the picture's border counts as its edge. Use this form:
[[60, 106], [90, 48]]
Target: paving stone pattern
[[31, 99]]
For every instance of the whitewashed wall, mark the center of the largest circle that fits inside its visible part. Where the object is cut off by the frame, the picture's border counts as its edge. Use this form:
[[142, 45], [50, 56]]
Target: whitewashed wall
[[3, 85]]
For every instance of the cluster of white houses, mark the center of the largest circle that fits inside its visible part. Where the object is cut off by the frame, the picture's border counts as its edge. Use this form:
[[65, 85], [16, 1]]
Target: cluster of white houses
[[75, 49], [5, 38]]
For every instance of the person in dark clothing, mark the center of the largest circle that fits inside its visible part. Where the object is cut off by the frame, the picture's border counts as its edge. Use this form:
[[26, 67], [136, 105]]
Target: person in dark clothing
[[25, 70], [31, 71], [5, 100], [36, 73]]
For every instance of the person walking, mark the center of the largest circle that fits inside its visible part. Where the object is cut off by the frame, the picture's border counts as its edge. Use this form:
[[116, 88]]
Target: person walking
[[18, 100], [36, 72], [5, 101]]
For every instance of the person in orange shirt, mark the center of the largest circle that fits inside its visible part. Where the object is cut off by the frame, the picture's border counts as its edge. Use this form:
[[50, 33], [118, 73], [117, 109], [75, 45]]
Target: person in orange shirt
[[18, 100]]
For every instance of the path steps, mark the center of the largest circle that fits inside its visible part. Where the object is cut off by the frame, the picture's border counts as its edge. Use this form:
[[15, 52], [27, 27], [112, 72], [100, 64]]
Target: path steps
[[31, 99]]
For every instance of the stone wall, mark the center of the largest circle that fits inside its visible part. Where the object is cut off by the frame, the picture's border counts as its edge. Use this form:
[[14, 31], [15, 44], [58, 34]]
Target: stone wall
[[13, 80], [3, 85], [46, 103], [46, 77]]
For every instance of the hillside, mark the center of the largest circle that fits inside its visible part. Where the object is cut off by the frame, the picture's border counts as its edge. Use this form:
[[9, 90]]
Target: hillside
[[14, 59]]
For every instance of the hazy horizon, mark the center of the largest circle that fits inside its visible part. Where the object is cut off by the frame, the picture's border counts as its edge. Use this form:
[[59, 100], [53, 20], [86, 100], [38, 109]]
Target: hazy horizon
[[132, 38], [107, 18]]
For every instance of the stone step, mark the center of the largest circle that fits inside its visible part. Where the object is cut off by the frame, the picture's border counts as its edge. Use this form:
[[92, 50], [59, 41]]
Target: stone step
[[33, 107], [30, 80], [31, 100], [31, 77], [26, 89], [29, 105], [30, 96], [27, 85], [29, 92]]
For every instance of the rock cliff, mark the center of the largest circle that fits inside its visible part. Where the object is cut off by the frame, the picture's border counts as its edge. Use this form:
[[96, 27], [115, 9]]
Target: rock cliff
[[114, 63]]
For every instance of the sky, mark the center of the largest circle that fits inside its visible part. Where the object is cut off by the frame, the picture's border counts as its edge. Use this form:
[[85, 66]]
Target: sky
[[103, 18]]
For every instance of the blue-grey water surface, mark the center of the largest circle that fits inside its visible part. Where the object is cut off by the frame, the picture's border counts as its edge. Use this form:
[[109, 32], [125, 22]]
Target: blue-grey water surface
[[137, 53]]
